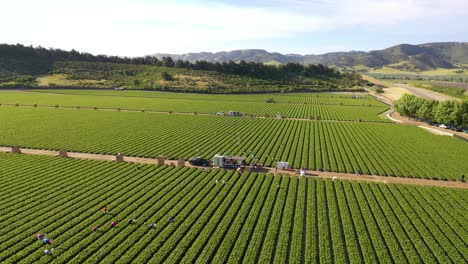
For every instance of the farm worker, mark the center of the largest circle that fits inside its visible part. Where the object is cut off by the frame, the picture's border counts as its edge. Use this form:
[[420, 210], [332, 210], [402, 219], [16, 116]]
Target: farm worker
[[105, 210], [45, 241], [278, 187], [276, 169], [224, 182], [216, 182], [302, 172], [40, 236], [48, 252], [131, 221], [152, 226], [113, 224], [463, 178], [171, 219], [95, 229]]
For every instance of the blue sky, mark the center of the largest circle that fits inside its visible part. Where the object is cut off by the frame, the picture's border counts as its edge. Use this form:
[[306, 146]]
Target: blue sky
[[141, 27]]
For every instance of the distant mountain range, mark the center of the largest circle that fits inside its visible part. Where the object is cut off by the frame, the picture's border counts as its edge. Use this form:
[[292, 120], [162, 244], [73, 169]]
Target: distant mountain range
[[404, 57]]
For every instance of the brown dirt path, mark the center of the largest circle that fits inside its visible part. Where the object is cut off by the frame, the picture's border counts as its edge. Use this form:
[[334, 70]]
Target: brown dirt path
[[332, 175], [426, 94]]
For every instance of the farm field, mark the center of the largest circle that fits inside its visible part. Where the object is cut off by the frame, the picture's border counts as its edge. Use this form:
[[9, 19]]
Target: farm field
[[248, 219], [327, 106], [313, 98], [379, 149]]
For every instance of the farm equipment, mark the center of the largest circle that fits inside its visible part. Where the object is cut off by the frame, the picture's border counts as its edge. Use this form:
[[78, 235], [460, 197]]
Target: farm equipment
[[235, 113], [227, 161], [284, 165], [257, 166]]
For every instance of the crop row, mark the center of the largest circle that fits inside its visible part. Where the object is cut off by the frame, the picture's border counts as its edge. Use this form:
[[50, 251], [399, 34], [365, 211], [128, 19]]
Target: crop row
[[297, 98], [323, 107], [252, 218], [379, 149]]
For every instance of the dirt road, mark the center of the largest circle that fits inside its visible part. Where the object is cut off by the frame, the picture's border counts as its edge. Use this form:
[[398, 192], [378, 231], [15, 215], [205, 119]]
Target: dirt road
[[332, 175], [426, 94]]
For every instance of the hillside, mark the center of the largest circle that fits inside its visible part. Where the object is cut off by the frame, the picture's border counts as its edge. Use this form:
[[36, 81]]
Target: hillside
[[255, 55], [22, 66], [404, 56]]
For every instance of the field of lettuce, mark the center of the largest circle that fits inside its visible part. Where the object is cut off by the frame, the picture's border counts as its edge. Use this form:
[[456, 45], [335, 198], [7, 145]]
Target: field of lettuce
[[326, 106], [379, 149], [253, 218]]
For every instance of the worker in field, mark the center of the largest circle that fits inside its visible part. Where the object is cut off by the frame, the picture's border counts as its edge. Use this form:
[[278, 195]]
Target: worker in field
[[48, 251], [216, 181], [105, 210], [152, 226], [40, 236], [114, 224], [45, 240], [302, 172], [95, 229], [171, 219], [463, 178], [131, 221]]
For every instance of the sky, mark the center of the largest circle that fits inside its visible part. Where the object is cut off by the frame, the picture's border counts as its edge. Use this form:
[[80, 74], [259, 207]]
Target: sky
[[142, 27]]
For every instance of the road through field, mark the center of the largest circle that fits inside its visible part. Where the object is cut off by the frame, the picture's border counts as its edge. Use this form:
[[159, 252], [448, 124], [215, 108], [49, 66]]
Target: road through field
[[426, 94], [322, 174]]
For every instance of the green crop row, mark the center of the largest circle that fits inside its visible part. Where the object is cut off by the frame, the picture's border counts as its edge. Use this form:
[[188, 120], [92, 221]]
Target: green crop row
[[379, 149], [248, 219], [297, 98], [294, 106]]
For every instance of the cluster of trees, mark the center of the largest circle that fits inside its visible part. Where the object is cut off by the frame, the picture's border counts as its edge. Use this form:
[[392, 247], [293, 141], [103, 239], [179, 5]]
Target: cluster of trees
[[252, 69], [446, 112], [47, 57]]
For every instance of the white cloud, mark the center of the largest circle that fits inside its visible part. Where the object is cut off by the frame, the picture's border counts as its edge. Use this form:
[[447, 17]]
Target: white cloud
[[137, 28]]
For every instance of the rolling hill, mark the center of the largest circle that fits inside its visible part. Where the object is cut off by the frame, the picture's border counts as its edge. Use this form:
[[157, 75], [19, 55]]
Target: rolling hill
[[404, 57], [22, 66]]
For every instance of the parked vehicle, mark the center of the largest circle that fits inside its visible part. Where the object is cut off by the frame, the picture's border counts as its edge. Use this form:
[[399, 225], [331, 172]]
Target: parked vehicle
[[235, 113], [442, 126], [199, 161]]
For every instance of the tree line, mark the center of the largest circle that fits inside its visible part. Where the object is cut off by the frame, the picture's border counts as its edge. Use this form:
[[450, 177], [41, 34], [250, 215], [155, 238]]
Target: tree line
[[252, 69], [445, 112]]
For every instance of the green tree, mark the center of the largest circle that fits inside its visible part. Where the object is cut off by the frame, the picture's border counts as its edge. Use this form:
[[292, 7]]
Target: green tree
[[427, 110], [167, 62], [464, 107], [136, 83], [444, 111], [408, 105], [166, 76], [456, 116], [25, 81]]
